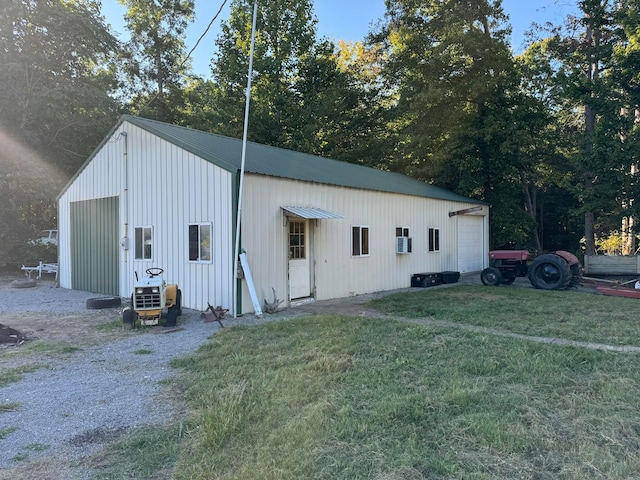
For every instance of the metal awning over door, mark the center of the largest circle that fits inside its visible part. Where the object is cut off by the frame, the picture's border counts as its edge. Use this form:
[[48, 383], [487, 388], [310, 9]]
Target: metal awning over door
[[309, 213]]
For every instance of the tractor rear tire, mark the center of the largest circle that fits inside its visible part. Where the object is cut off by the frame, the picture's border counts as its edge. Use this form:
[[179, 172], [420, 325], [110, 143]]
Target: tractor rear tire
[[576, 275], [491, 277], [550, 272]]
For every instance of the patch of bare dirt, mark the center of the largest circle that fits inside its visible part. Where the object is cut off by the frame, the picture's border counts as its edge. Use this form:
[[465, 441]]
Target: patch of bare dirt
[[51, 321]]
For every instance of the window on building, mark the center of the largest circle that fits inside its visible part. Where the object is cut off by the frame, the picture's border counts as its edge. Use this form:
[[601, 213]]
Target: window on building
[[200, 242], [144, 243], [359, 241], [296, 240], [403, 232], [434, 239]]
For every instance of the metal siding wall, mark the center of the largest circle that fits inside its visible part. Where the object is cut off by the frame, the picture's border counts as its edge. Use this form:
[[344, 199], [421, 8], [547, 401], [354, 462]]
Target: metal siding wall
[[337, 274], [101, 178], [168, 189]]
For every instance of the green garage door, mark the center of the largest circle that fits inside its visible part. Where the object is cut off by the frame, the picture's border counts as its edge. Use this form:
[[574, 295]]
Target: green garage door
[[94, 246]]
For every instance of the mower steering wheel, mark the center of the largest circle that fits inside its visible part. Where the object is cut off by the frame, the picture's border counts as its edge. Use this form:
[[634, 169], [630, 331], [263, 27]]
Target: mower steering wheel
[[154, 271]]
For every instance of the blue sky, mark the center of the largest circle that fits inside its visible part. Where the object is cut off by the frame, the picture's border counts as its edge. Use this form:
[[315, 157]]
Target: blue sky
[[346, 19]]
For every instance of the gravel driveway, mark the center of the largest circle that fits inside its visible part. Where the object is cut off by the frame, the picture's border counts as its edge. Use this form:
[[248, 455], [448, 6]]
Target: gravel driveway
[[73, 406]]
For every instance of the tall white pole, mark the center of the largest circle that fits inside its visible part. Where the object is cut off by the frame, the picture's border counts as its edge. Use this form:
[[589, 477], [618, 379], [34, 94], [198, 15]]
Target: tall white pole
[[244, 155]]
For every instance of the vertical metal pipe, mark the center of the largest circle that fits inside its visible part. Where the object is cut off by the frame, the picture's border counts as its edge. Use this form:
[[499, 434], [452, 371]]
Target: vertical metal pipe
[[244, 154]]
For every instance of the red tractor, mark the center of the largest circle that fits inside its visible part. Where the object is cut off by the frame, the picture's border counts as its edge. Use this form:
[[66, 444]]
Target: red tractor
[[550, 271]]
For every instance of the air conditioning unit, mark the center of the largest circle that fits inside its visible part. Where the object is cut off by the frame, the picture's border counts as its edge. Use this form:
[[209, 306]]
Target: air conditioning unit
[[403, 245]]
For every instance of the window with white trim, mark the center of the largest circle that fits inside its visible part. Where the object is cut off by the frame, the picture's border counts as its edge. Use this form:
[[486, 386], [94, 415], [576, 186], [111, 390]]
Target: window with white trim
[[200, 242], [143, 239], [403, 232], [434, 239], [297, 240], [359, 241]]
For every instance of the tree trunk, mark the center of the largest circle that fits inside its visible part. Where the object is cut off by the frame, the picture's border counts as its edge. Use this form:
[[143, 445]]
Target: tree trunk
[[530, 200]]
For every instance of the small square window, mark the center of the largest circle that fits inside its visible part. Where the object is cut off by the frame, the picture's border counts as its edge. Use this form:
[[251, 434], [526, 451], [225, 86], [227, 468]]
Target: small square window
[[200, 242], [402, 232], [143, 243]]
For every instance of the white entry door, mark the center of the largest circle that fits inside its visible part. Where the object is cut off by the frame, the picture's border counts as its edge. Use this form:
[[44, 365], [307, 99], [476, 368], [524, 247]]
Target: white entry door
[[299, 273]]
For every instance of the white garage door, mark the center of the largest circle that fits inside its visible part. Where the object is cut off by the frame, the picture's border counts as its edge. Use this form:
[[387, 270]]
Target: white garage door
[[470, 243]]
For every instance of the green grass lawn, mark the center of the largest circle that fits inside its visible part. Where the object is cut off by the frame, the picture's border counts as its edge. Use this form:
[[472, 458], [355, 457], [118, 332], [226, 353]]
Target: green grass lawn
[[331, 397], [567, 314]]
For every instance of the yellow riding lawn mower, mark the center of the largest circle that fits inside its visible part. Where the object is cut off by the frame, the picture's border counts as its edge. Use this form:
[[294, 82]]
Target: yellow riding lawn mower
[[150, 299]]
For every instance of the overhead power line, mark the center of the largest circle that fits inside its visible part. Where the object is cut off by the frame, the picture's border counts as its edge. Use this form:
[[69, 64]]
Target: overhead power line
[[206, 30], [224, 2]]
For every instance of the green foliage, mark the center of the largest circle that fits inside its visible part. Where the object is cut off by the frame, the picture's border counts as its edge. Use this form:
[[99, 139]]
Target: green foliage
[[54, 90], [304, 96], [594, 93], [156, 57], [461, 119]]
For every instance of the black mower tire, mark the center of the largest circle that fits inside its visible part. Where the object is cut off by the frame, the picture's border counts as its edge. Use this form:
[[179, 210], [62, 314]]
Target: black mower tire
[[508, 280], [99, 303], [178, 305], [128, 318], [172, 318], [179, 302], [550, 272], [491, 277]]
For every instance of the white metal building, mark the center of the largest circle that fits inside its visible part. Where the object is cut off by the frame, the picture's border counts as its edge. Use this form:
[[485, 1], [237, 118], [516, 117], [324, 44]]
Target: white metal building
[[158, 195]]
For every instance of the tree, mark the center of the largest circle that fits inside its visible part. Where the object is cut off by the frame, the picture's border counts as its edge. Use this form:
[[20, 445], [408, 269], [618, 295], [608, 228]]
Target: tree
[[55, 83], [157, 60], [55, 78], [305, 95], [595, 79], [285, 33], [460, 118]]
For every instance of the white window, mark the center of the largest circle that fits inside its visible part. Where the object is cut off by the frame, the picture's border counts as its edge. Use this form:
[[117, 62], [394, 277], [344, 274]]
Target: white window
[[403, 240], [297, 240], [200, 242], [144, 243], [434, 239], [359, 241]]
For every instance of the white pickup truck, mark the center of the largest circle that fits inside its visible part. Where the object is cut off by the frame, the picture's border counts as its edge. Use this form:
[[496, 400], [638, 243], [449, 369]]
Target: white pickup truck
[[46, 237]]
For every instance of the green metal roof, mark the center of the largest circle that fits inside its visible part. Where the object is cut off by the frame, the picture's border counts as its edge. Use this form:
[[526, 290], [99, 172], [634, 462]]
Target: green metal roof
[[226, 153]]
